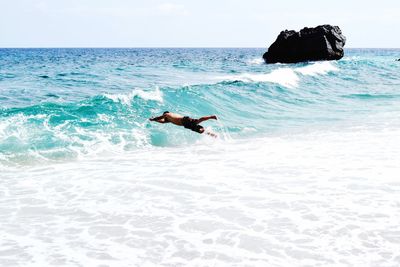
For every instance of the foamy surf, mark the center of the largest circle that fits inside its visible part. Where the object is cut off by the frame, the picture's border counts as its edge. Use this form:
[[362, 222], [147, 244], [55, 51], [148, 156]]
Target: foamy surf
[[318, 68], [309, 199], [285, 76], [256, 61], [126, 99]]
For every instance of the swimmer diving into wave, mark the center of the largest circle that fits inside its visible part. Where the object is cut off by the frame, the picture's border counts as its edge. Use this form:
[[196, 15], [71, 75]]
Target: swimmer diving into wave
[[185, 121]]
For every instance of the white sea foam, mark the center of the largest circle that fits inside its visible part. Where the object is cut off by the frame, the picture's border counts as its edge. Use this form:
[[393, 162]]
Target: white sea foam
[[14, 127], [351, 58], [318, 199], [126, 99], [256, 61], [285, 76], [18, 137], [318, 68]]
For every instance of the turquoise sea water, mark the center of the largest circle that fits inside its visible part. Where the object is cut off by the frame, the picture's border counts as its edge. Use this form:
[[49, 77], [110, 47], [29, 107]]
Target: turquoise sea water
[[304, 172], [60, 104]]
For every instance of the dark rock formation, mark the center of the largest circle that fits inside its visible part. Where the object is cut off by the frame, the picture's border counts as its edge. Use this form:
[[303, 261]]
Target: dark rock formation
[[324, 42]]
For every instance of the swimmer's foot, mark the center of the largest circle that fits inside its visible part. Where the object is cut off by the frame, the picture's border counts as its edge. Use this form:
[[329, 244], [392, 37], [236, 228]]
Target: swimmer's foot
[[212, 134]]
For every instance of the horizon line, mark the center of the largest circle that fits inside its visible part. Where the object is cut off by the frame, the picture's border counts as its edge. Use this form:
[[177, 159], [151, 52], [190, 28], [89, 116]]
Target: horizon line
[[165, 47]]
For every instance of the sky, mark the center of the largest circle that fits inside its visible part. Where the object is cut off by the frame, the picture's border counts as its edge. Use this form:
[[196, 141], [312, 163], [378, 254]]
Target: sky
[[179, 23]]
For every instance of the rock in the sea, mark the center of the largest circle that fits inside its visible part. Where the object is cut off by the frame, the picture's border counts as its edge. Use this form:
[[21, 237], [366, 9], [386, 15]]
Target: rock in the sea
[[324, 42]]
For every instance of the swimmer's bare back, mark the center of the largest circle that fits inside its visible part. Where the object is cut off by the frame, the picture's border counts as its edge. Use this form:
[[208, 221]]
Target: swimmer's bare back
[[174, 118]]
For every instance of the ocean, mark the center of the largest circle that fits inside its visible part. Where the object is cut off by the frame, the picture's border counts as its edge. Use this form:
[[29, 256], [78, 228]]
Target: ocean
[[304, 171]]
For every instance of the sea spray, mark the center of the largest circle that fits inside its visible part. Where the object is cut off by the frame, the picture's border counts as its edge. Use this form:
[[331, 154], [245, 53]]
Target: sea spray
[[223, 132]]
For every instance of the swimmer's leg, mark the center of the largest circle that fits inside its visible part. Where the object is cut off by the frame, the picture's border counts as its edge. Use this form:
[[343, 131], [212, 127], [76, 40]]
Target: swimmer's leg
[[206, 118]]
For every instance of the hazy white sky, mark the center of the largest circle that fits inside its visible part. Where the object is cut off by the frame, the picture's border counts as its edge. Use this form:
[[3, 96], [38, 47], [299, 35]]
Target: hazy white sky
[[178, 23]]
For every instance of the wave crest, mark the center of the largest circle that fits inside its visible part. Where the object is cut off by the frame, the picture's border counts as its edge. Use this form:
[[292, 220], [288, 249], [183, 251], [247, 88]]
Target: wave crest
[[285, 76], [317, 68], [126, 99]]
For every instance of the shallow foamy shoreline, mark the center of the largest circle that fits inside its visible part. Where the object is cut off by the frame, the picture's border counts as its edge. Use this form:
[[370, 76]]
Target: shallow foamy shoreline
[[309, 199]]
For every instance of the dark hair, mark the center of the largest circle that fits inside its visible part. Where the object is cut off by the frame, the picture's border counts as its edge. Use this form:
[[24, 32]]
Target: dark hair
[[165, 112]]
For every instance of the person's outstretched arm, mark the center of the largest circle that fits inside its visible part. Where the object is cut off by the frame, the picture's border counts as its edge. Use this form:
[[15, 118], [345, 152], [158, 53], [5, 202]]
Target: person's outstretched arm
[[159, 119]]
